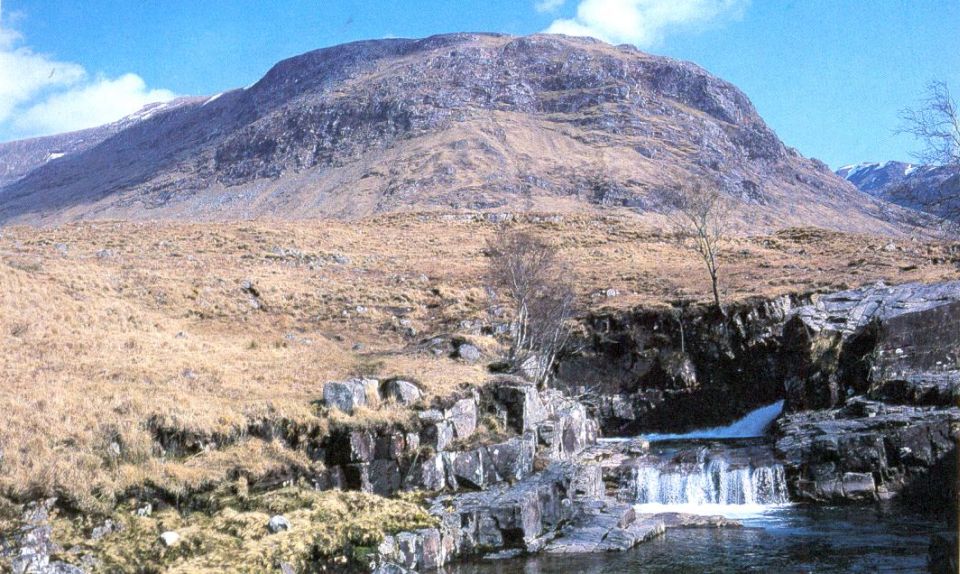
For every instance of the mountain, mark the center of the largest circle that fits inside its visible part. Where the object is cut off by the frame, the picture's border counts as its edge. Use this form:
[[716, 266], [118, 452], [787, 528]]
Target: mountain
[[931, 189], [18, 158], [461, 121]]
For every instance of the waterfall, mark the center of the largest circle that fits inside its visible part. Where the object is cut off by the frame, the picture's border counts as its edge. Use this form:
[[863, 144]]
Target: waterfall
[[754, 424], [682, 473], [712, 482]]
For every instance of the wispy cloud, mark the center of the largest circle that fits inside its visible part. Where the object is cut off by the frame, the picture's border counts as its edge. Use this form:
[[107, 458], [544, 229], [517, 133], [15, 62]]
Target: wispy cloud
[[41, 94], [549, 5], [643, 22]]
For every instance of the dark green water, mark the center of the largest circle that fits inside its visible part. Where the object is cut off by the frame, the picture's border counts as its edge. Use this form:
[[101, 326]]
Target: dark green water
[[780, 541]]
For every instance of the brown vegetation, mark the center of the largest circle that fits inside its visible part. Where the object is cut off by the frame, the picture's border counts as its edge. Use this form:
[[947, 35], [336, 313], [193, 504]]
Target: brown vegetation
[[115, 335], [328, 530]]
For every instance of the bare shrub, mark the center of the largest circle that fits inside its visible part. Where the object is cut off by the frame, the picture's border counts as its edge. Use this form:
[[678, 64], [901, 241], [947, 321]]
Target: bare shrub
[[935, 123], [528, 272]]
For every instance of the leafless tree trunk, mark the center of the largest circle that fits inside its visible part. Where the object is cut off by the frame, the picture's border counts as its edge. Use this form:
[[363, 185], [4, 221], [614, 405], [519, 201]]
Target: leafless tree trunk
[[700, 215], [529, 273], [936, 123], [679, 307]]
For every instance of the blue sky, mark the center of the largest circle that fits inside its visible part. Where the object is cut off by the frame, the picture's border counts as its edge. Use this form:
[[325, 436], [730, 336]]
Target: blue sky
[[828, 75]]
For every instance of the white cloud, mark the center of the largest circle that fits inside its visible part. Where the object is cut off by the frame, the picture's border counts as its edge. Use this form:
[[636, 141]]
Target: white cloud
[[89, 104], [548, 5], [643, 22], [25, 75], [40, 94]]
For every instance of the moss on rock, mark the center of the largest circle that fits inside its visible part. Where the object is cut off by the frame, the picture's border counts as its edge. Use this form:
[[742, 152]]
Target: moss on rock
[[327, 528]]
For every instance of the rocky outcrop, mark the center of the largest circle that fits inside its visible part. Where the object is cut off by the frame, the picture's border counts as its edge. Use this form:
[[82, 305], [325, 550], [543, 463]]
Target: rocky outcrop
[[575, 504], [564, 509], [29, 549], [507, 506], [402, 392], [891, 343], [870, 378], [386, 460], [871, 389], [868, 450], [675, 370], [347, 396], [605, 526], [439, 453]]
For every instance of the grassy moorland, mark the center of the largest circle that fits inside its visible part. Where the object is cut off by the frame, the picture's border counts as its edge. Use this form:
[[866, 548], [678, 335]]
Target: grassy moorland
[[116, 333]]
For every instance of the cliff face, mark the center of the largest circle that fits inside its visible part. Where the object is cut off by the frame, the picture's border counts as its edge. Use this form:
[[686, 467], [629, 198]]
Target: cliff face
[[897, 344], [470, 121], [673, 371]]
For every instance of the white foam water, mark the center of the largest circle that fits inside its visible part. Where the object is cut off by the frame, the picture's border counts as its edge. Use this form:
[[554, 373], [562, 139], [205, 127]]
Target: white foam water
[[725, 481], [752, 425], [714, 482]]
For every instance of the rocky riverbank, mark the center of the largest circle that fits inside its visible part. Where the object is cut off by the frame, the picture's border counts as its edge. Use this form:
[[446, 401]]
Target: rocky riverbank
[[872, 394], [869, 378], [681, 368]]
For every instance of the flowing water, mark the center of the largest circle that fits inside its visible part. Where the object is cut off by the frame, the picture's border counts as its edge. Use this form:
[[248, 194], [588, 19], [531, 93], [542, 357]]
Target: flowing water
[[754, 424], [713, 480], [731, 472], [724, 470]]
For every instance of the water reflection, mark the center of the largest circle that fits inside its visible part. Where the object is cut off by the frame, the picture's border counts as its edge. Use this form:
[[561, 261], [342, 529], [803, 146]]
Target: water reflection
[[785, 540]]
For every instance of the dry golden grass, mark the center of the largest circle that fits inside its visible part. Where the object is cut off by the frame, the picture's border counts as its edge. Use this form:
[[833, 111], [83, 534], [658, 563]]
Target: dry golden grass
[[327, 528], [113, 331]]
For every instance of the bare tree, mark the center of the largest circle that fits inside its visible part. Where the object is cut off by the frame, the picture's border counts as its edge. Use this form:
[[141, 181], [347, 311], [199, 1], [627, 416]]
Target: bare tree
[[700, 216], [527, 270], [936, 123]]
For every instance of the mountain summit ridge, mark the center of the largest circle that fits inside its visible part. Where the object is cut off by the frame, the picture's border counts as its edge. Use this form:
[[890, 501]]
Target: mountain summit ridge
[[928, 188], [458, 121]]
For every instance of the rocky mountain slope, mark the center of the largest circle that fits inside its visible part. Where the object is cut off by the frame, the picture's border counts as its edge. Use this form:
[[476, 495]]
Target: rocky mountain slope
[[18, 158], [933, 189], [463, 121]]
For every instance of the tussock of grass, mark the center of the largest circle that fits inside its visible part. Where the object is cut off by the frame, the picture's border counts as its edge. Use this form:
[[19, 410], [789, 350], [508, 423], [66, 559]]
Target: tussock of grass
[[325, 527], [253, 461]]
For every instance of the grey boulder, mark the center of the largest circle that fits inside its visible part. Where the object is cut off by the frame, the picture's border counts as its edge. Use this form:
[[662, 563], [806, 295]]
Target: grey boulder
[[348, 395], [400, 391], [277, 524]]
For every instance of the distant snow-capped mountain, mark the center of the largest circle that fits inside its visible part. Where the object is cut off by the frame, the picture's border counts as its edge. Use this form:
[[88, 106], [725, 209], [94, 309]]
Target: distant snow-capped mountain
[[933, 189]]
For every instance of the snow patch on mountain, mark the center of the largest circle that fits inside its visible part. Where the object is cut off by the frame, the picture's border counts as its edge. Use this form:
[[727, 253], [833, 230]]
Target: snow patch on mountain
[[929, 188]]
